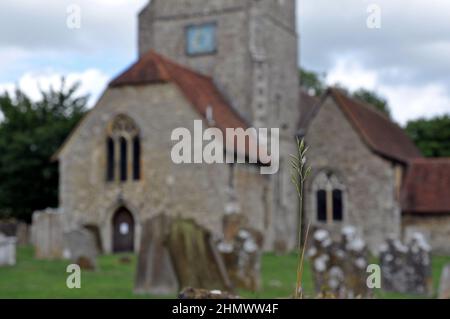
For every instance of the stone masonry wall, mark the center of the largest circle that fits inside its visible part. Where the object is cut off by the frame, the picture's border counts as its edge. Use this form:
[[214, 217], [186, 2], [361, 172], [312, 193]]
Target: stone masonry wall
[[370, 197], [435, 228], [194, 190], [255, 68]]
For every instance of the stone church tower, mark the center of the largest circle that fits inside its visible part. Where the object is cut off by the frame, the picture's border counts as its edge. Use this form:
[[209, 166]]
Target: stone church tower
[[116, 169], [250, 49]]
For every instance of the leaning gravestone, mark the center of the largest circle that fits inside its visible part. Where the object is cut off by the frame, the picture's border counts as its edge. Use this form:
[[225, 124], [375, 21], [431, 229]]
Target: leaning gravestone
[[406, 268], [195, 257], [444, 285], [47, 234], [339, 267], [155, 273], [241, 251], [82, 248], [7, 250]]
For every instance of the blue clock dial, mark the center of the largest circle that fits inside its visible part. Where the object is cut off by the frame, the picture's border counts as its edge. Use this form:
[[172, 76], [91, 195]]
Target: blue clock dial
[[201, 39]]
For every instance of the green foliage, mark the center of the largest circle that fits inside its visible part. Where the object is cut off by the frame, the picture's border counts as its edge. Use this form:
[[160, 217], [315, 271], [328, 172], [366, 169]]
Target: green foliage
[[32, 278], [29, 135], [431, 136], [312, 82], [373, 99]]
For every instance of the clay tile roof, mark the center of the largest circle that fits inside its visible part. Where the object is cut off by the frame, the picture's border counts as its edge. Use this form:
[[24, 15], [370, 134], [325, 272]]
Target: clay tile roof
[[199, 90], [377, 130], [426, 188]]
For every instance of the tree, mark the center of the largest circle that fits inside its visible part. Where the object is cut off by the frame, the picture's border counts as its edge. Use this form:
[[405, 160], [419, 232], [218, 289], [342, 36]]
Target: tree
[[29, 135], [312, 82], [373, 99], [431, 136]]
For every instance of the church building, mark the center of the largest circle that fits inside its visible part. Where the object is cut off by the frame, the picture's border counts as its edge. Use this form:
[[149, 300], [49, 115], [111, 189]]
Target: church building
[[229, 63], [367, 173], [234, 64]]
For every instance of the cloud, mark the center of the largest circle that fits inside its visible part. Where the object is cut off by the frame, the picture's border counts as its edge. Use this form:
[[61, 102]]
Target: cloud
[[42, 25], [406, 60], [34, 36], [407, 57], [407, 101], [92, 81], [351, 75], [417, 102]]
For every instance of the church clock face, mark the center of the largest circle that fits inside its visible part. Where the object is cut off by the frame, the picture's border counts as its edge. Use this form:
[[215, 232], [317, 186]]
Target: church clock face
[[201, 39]]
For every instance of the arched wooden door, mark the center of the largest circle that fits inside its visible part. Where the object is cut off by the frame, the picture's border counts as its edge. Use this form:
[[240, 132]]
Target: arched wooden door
[[123, 231]]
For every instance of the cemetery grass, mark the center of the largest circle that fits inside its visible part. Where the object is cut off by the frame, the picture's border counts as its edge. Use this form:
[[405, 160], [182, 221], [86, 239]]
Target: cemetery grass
[[40, 279]]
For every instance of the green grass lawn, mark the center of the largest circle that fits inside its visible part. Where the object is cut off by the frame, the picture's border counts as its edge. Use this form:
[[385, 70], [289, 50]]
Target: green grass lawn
[[32, 278]]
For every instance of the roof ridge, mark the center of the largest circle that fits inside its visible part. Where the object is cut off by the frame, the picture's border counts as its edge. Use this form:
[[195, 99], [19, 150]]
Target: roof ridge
[[368, 122], [338, 96], [160, 64], [166, 61], [368, 106]]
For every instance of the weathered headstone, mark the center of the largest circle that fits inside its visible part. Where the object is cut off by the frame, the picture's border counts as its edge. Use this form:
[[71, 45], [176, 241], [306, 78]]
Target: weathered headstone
[[155, 273], [195, 257], [339, 267], [82, 248], [444, 285], [241, 251], [7, 250], [191, 293], [406, 268], [47, 234], [95, 231]]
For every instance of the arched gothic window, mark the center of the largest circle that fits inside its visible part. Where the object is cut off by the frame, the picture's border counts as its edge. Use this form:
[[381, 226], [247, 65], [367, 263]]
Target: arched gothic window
[[123, 147], [329, 197]]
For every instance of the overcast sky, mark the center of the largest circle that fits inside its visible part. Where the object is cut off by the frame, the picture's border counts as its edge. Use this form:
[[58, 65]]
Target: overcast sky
[[407, 60]]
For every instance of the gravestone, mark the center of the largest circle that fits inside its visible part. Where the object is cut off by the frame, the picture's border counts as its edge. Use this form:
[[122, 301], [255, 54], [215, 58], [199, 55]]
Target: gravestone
[[47, 234], [241, 250], [155, 273], [444, 285], [95, 231], [82, 248], [339, 267], [406, 268], [7, 250], [195, 258]]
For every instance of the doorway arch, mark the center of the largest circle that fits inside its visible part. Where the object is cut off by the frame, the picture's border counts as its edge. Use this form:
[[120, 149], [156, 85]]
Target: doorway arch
[[123, 229]]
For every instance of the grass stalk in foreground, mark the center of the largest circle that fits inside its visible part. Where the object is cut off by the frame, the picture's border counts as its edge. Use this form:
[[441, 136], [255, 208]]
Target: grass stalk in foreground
[[299, 174]]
